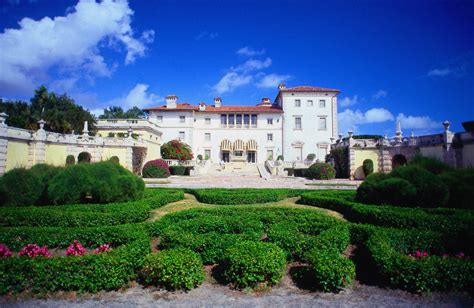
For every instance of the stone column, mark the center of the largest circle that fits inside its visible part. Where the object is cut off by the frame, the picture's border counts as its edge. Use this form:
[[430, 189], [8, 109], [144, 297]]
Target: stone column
[[352, 166], [3, 142], [385, 160], [129, 158]]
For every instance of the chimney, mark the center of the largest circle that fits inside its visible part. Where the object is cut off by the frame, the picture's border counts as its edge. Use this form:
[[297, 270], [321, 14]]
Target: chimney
[[281, 86], [171, 101], [265, 102], [217, 102], [202, 106]]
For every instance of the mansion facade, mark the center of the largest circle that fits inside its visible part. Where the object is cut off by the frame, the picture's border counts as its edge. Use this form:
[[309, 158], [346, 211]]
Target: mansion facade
[[300, 121]]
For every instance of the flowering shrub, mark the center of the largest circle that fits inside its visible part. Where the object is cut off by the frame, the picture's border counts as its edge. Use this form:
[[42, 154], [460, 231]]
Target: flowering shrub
[[5, 251], [157, 168], [419, 254], [321, 171], [176, 149], [75, 249], [103, 248], [33, 250]]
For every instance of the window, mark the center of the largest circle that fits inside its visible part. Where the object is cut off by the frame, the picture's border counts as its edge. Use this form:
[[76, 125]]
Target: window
[[238, 120], [238, 153], [223, 119], [269, 137], [182, 119], [246, 120], [159, 119], [270, 154], [270, 121], [207, 136], [208, 121], [322, 124], [207, 154], [297, 122], [322, 103], [231, 120], [254, 120], [309, 103], [181, 136], [297, 103]]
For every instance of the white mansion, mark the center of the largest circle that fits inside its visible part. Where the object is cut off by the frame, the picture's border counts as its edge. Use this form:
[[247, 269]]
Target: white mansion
[[300, 121]]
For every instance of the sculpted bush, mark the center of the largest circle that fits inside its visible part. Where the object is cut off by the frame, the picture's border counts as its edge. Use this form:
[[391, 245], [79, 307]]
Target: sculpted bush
[[321, 171], [20, 187], [157, 168]]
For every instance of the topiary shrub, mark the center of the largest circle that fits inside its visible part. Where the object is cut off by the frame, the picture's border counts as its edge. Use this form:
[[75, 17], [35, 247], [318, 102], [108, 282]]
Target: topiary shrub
[[280, 157], [247, 264], [321, 171], [20, 187], [368, 167], [70, 160], [176, 149], [173, 269], [368, 191], [431, 164], [430, 190], [330, 270], [115, 159], [311, 157], [157, 168], [396, 191], [199, 157], [177, 170]]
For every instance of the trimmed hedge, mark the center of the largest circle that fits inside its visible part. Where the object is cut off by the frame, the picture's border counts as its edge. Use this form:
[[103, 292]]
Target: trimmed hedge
[[461, 188], [242, 195], [173, 269], [248, 264], [88, 215], [20, 187], [177, 170], [89, 273], [321, 171], [435, 272], [157, 168]]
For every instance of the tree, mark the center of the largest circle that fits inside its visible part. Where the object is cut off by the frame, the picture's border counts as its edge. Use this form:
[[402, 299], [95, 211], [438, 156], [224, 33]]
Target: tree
[[61, 113], [134, 113], [116, 112]]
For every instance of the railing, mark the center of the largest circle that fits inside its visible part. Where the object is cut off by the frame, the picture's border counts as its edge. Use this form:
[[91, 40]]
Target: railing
[[176, 162], [297, 164]]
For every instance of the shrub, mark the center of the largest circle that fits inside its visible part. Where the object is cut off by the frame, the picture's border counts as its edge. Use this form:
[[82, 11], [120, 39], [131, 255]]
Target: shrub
[[75, 249], [5, 251], [431, 164], [115, 159], [430, 190], [157, 168], [70, 160], [21, 187], [173, 269], [248, 264], [280, 157], [99, 182], [396, 191], [330, 270], [178, 170], [199, 157], [176, 149], [241, 196], [311, 157], [460, 184], [84, 158], [45, 173], [368, 191], [103, 248], [368, 167], [321, 171], [340, 156]]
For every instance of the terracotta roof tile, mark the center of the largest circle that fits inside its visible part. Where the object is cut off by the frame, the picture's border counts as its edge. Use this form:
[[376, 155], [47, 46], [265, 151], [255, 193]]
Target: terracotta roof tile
[[186, 106], [309, 89]]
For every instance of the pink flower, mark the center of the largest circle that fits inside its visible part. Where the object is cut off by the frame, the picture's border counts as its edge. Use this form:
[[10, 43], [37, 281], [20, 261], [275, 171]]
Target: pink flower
[[460, 254], [5, 251], [33, 250], [103, 248], [75, 249]]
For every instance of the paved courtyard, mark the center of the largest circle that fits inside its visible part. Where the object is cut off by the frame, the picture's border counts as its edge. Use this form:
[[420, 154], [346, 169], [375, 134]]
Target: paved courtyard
[[249, 181]]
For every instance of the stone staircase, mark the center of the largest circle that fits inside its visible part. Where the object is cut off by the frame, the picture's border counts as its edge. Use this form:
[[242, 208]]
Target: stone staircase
[[263, 172], [240, 168]]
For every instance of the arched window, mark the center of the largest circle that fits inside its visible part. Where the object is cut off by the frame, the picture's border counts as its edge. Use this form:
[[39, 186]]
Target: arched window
[[84, 157], [398, 160]]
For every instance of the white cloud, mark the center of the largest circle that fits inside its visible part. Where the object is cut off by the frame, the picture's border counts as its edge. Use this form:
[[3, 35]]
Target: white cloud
[[437, 72], [240, 75], [379, 94], [250, 52], [349, 119], [272, 80], [348, 101], [230, 81], [424, 123], [138, 96], [206, 35], [70, 44]]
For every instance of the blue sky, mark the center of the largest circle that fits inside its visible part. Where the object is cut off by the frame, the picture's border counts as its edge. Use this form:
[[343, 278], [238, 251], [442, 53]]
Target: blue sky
[[407, 60]]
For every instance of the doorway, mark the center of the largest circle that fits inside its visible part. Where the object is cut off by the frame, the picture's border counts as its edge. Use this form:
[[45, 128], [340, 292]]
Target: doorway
[[226, 156], [251, 157]]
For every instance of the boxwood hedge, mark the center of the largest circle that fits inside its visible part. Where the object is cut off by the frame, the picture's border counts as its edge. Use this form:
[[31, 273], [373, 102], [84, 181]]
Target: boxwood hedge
[[242, 195]]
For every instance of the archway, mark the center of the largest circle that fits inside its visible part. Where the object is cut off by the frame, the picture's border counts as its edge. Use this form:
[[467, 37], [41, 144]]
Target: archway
[[398, 160], [84, 157]]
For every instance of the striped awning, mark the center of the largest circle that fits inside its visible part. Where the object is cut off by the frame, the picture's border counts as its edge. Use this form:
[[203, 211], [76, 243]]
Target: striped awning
[[239, 145], [251, 145], [226, 145]]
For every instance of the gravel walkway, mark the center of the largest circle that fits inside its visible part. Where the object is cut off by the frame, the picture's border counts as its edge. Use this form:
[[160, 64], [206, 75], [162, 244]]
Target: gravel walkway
[[211, 295]]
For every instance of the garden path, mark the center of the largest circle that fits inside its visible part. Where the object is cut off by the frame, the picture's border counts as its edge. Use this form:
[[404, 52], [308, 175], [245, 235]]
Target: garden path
[[190, 202]]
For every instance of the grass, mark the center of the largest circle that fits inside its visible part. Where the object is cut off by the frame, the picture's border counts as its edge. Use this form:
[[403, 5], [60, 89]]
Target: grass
[[332, 184]]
